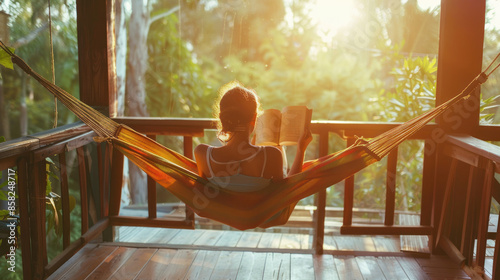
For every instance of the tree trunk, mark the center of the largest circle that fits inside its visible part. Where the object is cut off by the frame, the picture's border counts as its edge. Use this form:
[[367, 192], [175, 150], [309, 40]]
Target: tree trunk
[[4, 115], [23, 118], [121, 56], [121, 75], [136, 97]]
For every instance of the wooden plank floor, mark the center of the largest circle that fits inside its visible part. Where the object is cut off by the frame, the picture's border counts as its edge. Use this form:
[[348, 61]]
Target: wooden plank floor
[[151, 253], [256, 241]]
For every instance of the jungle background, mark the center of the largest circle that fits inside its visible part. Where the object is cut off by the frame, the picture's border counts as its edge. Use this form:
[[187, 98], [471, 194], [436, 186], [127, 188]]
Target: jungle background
[[378, 64]]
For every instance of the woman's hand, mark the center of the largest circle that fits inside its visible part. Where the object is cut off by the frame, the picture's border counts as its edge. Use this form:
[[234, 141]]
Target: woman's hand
[[304, 140]]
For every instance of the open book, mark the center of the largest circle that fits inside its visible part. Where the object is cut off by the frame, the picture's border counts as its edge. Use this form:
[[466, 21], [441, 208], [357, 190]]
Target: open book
[[283, 127]]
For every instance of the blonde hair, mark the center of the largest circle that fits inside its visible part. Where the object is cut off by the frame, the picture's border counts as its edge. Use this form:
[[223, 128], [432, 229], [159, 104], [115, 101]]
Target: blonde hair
[[235, 109]]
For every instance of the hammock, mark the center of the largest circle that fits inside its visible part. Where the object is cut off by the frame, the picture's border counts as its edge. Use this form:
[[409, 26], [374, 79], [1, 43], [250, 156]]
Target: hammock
[[264, 208]]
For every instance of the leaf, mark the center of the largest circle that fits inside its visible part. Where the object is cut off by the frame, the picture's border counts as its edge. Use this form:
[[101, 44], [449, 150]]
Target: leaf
[[72, 203], [4, 214], [2, 195], [2, 139], [5, 58]]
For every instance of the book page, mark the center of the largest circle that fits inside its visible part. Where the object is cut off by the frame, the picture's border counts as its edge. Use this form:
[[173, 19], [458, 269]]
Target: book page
[[267, 129], [294, 120]]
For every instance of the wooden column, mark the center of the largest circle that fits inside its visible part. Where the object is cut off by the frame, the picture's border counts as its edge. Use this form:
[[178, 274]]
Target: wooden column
[[97, 72], [460, 60], [96, 53]]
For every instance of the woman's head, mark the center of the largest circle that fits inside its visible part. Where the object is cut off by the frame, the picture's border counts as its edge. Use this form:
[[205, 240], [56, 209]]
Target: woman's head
[[236, 109]]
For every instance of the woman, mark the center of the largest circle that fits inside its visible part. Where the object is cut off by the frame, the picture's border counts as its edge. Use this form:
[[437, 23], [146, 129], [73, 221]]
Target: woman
[[239, 165]]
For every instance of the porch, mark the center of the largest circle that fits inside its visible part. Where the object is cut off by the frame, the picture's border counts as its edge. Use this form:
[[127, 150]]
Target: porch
[[454, 236]]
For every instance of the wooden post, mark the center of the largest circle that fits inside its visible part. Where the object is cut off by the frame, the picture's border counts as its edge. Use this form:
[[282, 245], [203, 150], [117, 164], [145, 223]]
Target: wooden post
[[95, 25], [459, 62]]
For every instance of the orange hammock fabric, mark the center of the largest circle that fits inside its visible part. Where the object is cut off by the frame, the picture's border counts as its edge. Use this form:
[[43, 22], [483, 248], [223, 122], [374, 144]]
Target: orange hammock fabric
[[264, 208]]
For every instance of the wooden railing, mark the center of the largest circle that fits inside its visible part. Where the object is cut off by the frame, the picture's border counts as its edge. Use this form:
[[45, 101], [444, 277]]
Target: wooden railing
[[189, 128], [463, 218], [28, 155]]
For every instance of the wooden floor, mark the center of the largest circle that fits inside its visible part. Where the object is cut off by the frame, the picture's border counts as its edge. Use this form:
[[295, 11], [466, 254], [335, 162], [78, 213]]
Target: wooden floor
[[152, 253]]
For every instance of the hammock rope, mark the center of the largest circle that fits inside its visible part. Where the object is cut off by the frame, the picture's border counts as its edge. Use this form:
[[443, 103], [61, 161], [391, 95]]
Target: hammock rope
[[264, 208]]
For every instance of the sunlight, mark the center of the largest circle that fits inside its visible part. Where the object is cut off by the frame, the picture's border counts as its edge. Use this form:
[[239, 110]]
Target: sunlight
[[429, 4], [333, 15]]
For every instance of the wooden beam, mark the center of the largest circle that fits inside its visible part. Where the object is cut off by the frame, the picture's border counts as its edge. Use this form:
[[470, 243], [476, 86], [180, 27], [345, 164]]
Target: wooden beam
[[148, 222], [386, 230]]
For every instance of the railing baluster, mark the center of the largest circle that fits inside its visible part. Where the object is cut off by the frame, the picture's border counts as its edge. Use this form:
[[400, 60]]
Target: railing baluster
[[151, 192], [65, 199], [496, 260], [443, 225], [188, 152], [105, 184], [484, 215], [428, 182], [37, 210], [467, 242], [83, 189], [390, 192], [22, 187], [320, 201], [116, 183], [348, 194]]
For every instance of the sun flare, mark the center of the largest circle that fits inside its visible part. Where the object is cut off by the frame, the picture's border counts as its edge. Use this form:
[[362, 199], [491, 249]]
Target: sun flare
[[333, 15]]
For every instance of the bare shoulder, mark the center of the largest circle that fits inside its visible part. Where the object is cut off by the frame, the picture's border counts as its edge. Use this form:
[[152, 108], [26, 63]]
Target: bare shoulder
[[273, 152], [200, 151]]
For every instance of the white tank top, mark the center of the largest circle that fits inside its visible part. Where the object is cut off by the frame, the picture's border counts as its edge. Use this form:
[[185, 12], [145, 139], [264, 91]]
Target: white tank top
[[238, 182]]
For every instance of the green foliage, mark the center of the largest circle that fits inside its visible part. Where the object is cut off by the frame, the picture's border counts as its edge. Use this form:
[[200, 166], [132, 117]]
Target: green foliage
[[413, 92], [29, 19], [5, 59]]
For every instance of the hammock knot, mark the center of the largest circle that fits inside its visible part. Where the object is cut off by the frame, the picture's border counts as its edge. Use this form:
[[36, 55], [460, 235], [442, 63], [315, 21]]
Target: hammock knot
[[360, 140], [99, 139]]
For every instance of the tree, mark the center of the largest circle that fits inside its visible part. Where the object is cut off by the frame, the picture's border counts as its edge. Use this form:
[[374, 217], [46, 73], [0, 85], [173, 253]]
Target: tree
[[137, 65]]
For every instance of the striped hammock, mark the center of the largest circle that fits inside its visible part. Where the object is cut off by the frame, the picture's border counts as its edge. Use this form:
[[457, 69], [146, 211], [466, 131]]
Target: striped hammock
[[264, 208]]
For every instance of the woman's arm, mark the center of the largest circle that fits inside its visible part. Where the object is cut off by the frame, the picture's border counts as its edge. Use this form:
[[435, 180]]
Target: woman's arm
[[305, 139], [200, 153]]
